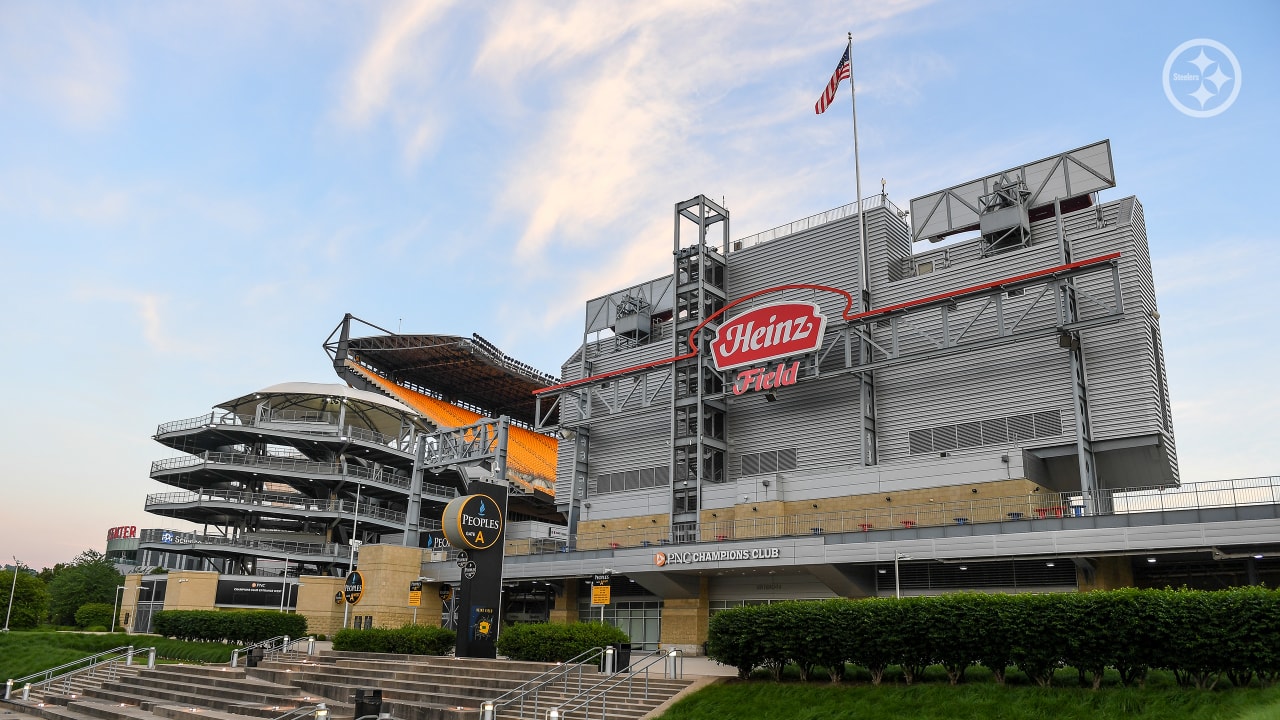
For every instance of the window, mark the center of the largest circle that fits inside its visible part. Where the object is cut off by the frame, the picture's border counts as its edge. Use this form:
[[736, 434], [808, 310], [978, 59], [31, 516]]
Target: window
[[924, 268]]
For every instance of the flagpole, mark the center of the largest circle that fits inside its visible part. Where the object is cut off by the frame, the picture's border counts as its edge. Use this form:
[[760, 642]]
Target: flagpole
[[863, 276], [866, 388]]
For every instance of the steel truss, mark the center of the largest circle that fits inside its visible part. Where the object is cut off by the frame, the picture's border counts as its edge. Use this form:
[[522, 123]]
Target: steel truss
[[943, 321]]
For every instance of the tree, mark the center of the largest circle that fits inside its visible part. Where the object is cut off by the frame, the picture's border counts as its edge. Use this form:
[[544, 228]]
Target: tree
[[30, 599], [91, 578]]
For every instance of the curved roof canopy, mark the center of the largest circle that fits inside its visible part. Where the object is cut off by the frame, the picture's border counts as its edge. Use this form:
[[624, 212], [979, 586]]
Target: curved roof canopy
[[370, 410]]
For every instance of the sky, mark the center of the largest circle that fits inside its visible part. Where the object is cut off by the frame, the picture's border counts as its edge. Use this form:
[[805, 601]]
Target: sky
[[192, 194]]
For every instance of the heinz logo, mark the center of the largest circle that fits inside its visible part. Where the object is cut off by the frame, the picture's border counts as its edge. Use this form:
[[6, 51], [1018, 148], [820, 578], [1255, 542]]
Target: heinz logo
[[767, 333]]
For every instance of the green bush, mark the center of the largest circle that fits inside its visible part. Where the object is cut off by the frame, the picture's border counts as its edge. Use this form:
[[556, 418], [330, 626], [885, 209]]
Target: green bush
[[228, 626], [1199, 636], [94, 614], [406, 640], [556, 642]]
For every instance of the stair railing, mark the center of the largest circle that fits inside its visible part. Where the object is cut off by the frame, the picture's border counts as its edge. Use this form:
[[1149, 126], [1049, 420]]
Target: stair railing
[[672, 667], [272, 647], [560, 677], [106, 663]]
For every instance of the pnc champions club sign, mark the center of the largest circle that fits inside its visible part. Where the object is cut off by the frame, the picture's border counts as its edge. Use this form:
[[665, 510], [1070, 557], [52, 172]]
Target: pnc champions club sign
[[769, 332]]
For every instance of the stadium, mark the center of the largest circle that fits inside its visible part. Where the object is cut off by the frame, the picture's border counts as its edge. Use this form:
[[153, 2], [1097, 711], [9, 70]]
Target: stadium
[[966, 394]]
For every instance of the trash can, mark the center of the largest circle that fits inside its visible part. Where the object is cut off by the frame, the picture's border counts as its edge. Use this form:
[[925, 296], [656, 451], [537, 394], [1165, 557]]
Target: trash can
[[255, 657], [622, 656], [368, 701]]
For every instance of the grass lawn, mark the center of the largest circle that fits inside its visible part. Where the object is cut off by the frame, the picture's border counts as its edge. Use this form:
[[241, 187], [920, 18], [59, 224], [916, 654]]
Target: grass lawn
[[23, 653], [977, 699]]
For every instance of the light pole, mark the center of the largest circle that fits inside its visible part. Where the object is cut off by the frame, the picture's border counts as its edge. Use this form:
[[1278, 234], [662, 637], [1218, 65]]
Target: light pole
[[284, 582], [115, 607], [897, 583], [13, 589], [351, 562]]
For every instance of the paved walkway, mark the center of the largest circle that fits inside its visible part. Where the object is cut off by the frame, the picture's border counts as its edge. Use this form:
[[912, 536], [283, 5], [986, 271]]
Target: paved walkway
[[706, 667]]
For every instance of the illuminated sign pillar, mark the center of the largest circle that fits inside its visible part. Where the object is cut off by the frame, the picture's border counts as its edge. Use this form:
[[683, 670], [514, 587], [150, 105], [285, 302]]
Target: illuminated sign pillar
[[474, 524]]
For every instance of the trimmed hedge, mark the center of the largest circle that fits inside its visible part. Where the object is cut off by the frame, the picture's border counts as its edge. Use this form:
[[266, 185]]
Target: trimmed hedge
[[407, 640], [1200, 636], [91, 614], [228, 626], [556, 642]]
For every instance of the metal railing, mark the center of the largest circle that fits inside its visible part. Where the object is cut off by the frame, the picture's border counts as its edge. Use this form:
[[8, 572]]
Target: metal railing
[[282, 502], [1014, 508], [318, 711], [636, 679], [272, 648], [106, 664], [305, 467], [307, 421], [813, 221], [557, 679], [293, 548]]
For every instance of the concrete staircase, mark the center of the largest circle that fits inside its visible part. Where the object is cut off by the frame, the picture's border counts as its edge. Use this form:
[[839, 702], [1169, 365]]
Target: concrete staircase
[[413, 688]]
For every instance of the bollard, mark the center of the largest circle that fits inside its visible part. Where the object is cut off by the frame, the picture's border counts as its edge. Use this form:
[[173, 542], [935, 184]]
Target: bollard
[[235, 657], [311, 646], [128, 659], [488, 711], [284, 646], [151, 659], [608, 661], [322, 712], [26, 692], [671, 665], [8, 689], [553, 714]]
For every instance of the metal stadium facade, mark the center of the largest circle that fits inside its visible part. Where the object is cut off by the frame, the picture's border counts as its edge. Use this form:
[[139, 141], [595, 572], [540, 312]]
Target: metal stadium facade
[[967, 394]]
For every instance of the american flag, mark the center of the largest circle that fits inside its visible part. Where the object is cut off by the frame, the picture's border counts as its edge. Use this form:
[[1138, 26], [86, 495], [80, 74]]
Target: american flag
[[842, 72]]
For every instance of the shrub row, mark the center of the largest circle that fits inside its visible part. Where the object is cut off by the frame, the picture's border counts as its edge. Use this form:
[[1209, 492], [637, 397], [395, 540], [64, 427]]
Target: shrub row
[[409, 639], [94, 614], [1198, 635], [228, 626], [556, 642]]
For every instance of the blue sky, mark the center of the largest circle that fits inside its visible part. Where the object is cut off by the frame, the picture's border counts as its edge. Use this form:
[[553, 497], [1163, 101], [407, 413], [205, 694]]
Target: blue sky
[[192, 194]]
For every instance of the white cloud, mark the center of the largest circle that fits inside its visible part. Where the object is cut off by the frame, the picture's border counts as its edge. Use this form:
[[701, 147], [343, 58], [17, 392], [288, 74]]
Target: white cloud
[[394, 74], [643, 99], [62, 60]]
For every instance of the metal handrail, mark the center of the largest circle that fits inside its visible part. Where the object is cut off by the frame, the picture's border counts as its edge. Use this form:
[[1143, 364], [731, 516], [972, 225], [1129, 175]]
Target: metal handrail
[[319, 711], [673, 667], [177, 537], [272, 647], [310, 417], [286, 502], [1012, 508], [543, 680], [813, 221], [107, 659], [309, 467]]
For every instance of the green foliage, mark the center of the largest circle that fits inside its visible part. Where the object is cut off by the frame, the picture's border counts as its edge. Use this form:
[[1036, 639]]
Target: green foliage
[[556, 642], [233, 626], [1198, 636], [91, 578], [23, 653], [30, 599], [94, 614], [979, 699], [406, 640]]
